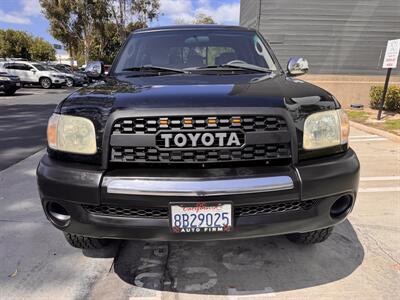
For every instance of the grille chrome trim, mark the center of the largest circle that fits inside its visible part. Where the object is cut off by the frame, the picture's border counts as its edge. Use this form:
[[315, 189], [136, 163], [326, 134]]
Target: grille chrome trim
[[162, 187]]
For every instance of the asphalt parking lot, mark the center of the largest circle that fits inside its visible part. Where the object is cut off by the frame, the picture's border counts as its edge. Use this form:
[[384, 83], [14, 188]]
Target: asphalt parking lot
[[361, 260]]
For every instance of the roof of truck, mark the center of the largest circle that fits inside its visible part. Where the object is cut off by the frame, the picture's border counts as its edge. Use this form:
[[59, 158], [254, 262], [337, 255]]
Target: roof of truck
[[192, 27]]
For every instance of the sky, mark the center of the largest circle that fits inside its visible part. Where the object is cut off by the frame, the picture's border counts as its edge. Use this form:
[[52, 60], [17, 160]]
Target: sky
[[26, 14]]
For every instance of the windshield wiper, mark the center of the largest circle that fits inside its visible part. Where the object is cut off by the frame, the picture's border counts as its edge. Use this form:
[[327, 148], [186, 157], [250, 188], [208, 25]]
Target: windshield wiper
[[151, 68], [236, 65]]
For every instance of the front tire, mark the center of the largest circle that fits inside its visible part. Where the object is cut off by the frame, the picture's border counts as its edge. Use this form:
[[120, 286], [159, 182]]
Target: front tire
[[45, 82], [312, 237], [84, 242], [70, 82]]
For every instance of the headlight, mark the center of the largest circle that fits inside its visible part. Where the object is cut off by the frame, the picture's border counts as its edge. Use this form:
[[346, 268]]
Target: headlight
[[326, 129], [71, 134], [4, 78]]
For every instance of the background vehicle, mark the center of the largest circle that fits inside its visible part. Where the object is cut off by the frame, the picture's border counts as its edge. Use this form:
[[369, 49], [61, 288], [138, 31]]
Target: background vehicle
[[9, 84], [73, 78], [197, 133], [33, 73]]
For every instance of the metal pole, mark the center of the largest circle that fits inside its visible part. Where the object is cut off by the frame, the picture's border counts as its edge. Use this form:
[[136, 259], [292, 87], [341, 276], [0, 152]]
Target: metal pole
[[385, 87]]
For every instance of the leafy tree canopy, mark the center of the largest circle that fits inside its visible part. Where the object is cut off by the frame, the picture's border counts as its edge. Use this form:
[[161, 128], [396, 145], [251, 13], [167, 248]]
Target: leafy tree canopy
[[14, 43]]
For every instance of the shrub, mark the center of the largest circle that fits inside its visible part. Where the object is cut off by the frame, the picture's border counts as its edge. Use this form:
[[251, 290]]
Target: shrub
[[392, 100]]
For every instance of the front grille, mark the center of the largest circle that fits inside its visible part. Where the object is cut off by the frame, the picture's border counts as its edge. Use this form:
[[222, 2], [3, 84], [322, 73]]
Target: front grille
[[151, 154], [162, 213], [154, 124], [146, 145]]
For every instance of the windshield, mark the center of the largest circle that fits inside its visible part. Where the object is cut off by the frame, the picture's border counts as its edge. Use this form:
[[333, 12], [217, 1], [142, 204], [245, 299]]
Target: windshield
[[62, 69], [191, 49], [42, 67]]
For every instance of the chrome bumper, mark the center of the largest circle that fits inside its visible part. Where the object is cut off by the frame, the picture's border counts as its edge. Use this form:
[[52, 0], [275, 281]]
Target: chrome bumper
[[165, 187]]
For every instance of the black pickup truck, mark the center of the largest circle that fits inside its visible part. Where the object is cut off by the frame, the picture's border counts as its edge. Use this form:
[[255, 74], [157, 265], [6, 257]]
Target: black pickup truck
[[197, 133]]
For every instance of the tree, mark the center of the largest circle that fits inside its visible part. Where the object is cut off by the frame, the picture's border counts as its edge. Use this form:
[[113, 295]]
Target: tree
[[42, 50], [75, 23], [96, 28], [199, 19], [14, 43], [62, 21], [91, 15], [203, 19], [138, 12]]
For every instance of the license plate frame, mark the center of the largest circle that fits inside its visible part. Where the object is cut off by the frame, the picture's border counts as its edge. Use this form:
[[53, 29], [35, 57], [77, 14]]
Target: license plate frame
[[196, 207]]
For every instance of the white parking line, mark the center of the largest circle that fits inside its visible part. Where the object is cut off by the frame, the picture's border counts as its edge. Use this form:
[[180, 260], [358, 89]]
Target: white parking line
[[379, 189], [363, 136], [368, 140], [380, 178]]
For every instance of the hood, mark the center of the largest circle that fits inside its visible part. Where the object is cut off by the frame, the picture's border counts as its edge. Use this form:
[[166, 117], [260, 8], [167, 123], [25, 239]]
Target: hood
[[186, 93], [206, 91]]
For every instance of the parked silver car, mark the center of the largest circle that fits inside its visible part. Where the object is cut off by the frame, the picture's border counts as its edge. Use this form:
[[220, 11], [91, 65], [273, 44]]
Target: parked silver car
[[34, 73], [72, 79]]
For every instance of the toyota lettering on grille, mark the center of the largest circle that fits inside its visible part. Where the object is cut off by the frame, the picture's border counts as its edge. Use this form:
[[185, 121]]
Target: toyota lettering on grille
[[229, 139]]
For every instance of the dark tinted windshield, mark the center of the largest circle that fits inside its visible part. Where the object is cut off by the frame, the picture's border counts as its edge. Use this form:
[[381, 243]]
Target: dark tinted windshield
[[194, 48]]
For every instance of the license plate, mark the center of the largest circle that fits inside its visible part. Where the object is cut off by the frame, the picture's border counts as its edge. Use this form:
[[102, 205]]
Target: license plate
[[17, 84], [195, 217]]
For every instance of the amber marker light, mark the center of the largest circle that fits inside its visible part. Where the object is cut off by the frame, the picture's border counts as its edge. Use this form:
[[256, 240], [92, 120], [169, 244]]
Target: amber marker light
[[236, 120], [52, 130], [212, 121], [164, 121], [187, 121]]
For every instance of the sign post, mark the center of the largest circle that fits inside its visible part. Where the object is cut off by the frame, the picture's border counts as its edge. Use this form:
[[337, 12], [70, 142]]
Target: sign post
[[389, 62]]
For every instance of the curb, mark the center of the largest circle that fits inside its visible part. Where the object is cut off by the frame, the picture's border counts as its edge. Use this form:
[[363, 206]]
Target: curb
[[372, 130]]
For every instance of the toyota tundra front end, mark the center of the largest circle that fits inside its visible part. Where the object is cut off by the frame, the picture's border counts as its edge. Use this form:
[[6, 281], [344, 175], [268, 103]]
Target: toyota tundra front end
[[197, 133]]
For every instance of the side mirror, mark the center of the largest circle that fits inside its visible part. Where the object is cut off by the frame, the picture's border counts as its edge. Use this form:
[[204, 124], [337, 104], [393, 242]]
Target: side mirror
[[297, 66], [32, 70], [94, 69]]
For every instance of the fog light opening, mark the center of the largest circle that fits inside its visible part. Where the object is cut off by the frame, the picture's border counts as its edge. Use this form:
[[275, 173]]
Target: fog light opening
[[341, 206], [58, 214]]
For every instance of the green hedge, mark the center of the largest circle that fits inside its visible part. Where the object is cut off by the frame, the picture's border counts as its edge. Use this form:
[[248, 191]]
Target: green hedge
[[392, 101]]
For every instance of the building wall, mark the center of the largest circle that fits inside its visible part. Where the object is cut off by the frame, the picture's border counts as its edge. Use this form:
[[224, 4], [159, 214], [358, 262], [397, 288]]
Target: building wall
[[336, 36]]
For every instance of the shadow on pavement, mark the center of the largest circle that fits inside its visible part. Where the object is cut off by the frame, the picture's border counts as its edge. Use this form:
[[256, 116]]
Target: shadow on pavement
[[239, 267], [17, 94], [22, 131]]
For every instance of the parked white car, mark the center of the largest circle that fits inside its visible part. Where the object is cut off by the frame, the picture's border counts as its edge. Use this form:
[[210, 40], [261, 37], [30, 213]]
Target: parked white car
[[34, 73]]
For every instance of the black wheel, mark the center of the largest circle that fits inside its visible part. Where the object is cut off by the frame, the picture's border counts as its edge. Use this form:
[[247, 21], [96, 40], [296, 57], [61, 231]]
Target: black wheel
[[45, 82], [9, 92], [84, 242], [311, 237], [70, 82]]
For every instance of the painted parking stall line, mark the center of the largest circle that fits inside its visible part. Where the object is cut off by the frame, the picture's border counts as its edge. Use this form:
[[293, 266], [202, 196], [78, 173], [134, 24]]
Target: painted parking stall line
[[380, 178], [379, 189], [395, 188], [366, 138]]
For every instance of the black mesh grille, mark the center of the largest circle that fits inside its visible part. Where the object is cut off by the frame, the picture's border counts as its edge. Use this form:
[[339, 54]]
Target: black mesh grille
[[265, 209], [154, 124], [162, 213], [150, 154], [135, 212]]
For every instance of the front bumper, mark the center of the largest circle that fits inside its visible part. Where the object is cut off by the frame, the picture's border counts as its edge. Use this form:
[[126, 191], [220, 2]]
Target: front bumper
[[9, 85], [58, 80], [76, 187]]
